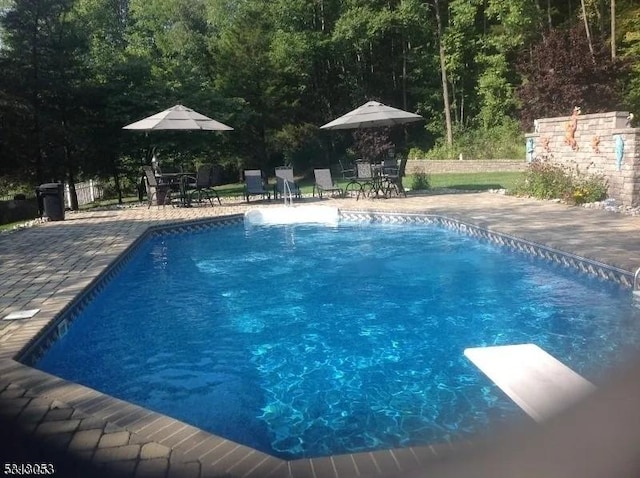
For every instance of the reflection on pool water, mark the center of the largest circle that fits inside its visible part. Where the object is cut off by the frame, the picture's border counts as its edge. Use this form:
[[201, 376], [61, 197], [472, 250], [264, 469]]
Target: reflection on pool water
[[310, 340]]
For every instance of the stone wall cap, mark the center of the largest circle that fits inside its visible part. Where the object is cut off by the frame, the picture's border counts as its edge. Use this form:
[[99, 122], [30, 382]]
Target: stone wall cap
[[625, 131], [469, 160], [608, 114]]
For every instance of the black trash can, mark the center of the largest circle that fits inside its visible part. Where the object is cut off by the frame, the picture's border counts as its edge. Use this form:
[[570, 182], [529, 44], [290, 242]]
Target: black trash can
[[51, 200]]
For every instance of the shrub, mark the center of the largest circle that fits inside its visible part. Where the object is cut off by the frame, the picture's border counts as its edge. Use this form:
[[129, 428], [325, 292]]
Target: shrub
[[590, 188], [420, 181], [548, 180], [504, 141]]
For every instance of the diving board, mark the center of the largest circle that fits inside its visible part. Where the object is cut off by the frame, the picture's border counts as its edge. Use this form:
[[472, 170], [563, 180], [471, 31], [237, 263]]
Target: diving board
[[537, 382]]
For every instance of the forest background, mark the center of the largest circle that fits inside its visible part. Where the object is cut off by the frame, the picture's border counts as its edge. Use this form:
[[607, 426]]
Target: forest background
[[74, 72]]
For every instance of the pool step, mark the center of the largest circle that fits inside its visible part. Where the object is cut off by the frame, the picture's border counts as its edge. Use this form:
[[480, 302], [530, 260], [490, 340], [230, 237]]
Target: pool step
[[537, 382], [636, 298], [292, 215]]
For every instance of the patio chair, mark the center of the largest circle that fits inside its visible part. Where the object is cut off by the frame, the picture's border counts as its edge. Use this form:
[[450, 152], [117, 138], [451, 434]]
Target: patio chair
[[254, 185], [160, 192], [348, 171], [363, 180], [393, 178], [285, 185], [389, 166], [201, 187], [324, 183]]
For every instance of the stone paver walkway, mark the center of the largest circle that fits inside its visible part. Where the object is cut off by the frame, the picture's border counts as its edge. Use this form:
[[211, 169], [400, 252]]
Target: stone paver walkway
[[84, 433]]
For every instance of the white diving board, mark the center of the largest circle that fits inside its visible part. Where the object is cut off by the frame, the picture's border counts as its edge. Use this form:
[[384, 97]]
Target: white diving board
[[537, 382]]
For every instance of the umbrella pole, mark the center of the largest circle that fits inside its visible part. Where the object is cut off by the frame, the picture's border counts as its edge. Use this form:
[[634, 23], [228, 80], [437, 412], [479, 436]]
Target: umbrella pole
[[147, 160]]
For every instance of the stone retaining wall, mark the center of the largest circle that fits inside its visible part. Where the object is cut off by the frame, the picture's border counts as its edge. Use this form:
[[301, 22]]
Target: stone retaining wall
[[603, 145], [464, 166], [14, 211]]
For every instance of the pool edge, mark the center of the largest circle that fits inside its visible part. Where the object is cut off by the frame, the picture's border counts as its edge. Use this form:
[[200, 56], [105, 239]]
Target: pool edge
[[383, 461]]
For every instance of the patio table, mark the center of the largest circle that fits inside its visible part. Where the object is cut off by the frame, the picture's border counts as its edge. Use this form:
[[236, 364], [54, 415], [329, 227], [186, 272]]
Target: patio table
[[379, 184], [179, 182]]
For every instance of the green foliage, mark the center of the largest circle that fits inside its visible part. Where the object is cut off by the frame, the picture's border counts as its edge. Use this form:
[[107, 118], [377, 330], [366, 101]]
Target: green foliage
[[545, 180], [48, 98], [290, 139], [11, 186], [510, 23], [630, 52], [548, 180], [420, 181], [276, 70], [504, 141], [495, 91], [589, 188], [110, 191]]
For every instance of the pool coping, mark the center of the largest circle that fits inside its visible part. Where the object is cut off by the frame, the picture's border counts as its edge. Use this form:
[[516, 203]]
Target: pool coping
[[184, 445]]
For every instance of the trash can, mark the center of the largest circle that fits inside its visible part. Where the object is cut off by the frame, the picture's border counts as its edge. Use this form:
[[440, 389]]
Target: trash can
[[51, 200]]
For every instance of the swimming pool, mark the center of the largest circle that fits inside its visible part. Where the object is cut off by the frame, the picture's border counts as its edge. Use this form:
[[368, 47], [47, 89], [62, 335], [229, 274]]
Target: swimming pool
[[248, 340]]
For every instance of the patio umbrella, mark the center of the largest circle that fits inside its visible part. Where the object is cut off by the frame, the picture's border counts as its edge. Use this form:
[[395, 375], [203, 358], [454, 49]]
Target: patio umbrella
[[178, 118], [372, 115]]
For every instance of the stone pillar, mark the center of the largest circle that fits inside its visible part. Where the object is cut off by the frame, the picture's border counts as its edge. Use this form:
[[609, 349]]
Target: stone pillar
[[599, 138]]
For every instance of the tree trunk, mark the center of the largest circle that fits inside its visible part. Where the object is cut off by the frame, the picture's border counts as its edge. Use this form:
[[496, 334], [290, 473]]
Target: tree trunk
[[613, 29], [116, 179], [73, 195], [443, 71], [404, 74], [35, 64], [462, 107], [586, 29]]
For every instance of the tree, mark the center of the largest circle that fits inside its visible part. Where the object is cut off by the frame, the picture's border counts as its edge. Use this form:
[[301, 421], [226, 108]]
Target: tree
[[73, 72], [509, 25], [373, 143], [443, 74], [558, 77], [613, 29], [630, 53], [48, 81]]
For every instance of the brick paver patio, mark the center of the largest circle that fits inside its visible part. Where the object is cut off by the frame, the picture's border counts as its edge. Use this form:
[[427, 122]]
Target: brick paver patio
[[84, 433]]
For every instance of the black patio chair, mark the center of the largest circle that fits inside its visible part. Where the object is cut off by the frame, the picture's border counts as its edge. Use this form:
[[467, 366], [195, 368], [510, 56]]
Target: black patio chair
[[254, 184], [363, 181], [160, 192], [348, 171], [201, 188], [393, 178]]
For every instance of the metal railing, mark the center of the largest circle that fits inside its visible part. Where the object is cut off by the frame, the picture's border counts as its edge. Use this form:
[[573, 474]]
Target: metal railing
[[287, 189]]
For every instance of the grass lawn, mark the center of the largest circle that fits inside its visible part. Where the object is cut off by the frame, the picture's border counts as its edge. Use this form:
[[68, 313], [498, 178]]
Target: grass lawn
[[11, 225], [462, 181], [472, 181]]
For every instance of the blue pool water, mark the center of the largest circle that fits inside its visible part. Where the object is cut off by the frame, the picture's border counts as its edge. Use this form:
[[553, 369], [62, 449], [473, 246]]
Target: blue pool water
[[304, 340]]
